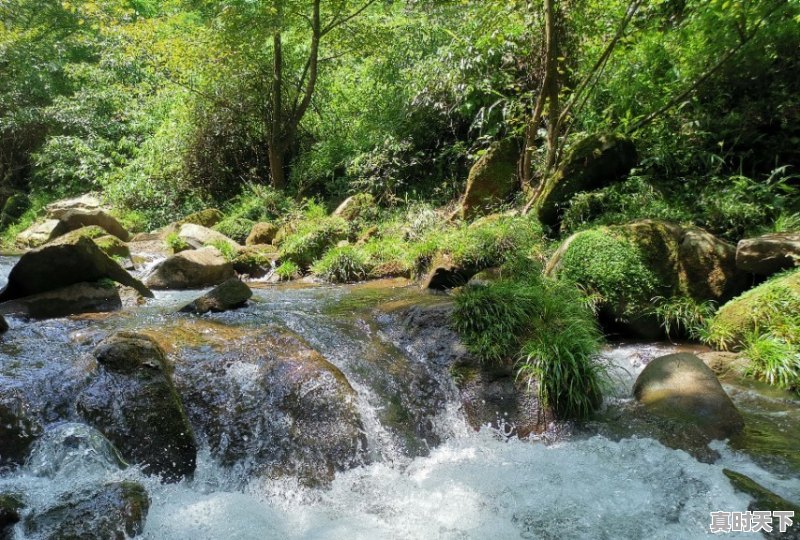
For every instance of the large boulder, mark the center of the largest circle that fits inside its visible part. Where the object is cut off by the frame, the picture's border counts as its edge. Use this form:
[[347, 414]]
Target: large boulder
[[255, 261], [39, 234], [205, 218], [231, 294], [116, 511], [769, 254], [198, 236], [627, 267], [262, 233], [96, 297], [85, 211], [593, 163], [194, 269], [681, 387], [493, 179], [771, 308], [18, 428], [57, 266], [133, 403]]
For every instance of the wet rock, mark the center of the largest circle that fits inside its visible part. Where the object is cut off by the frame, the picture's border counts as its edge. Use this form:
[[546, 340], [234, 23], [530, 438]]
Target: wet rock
[[194, 269], [57, 266], [205, 218], [444, 274], [3, 325], [493, 179], [198, 236], [97, 297], [766, 501], [358, 206], [133, 403], [255, 261], [72, 450], [769, 254], [18, 428], [231, 294], [39, 234], [628, 266], [10, 507], [262, 233], [681, 387], [267, 403], [593, 163], [114, 512]]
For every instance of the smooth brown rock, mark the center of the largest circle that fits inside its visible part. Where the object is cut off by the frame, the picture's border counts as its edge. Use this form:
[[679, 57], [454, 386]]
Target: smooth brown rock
[[769, 254]]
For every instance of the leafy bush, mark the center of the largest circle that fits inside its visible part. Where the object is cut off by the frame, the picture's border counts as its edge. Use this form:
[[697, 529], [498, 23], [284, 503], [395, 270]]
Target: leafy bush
[[546, 327], [312, 238], [342, 265]]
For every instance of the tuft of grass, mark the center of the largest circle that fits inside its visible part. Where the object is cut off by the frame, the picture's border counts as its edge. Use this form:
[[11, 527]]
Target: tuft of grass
[[546, 329], [342, 265], [683, 316], [773, 360], [288, 271], [227, 250], [312, 238], [175, 243]]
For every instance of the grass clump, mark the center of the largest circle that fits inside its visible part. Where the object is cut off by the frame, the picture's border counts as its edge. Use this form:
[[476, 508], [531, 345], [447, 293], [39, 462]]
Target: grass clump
[[543, 326], [342, 265], [175, 243], [288, 271], [312, 238], [683, 316], [773, 360], [228, 251]]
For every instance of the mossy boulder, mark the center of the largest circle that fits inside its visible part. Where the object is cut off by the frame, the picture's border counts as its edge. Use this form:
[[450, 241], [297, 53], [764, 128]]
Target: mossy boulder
[[360, 206], [132, 401], [237, 229], [91, 232], [772, 307], [594, 162], [231, 294], [261, 233], [60, 265], [625, 268], [312, 239], [255, 261], [205, 218], [116, 511], [11, 506], [113, 246], [198, 236], [193, 269], [493, 179], [681, 387]]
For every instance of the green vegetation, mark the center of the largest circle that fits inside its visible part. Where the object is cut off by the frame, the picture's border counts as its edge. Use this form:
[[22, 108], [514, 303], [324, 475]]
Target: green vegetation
[[287, 271], [682, 316], [342, 265], [543, 325], [175, 243], [226, 248]]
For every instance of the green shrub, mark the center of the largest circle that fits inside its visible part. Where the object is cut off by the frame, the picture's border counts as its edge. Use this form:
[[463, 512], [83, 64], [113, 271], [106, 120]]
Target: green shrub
[[287, 271], [175, 243], [773, 360], [342, 265], [683, 316], [237, 229], [544, 326], [312, 238]]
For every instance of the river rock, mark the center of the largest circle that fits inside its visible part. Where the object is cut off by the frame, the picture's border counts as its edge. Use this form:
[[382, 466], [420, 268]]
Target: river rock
[[193, 269], [39, 234], [205, 218], [18, 428], [97, 297], [133, 402], [72, 450], [681, 387], [595, 162], [113, 246], [84, 203], [262, 233], [627, 266], [11, 506], [493, 179], [3, 325], [198, 236], [231, 294], [769, 254], [114, 512], [255, 261], [766, 501], [85, 211], [57, 266]]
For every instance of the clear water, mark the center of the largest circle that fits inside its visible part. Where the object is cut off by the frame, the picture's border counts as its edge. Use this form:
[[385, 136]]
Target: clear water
[[449, 482]]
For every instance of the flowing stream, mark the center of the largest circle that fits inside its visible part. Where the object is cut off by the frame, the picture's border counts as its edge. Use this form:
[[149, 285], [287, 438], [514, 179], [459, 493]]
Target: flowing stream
[[441, 480]]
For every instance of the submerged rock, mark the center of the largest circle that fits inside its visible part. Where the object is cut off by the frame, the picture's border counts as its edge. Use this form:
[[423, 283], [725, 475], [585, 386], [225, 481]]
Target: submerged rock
[[769, 254], [194, 269], [133, 402], [57, 266], [593, 163], [114, 512], [10, 507], [18, 428], [231, 294], [72, 450], [681, 387], [493, 179]]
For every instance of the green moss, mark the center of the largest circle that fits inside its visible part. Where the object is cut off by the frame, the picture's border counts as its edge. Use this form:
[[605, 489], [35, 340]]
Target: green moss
[[238, 229]]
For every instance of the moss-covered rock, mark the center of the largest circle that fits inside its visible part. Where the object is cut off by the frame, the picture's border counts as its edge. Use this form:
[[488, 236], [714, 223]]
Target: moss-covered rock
[[133, 403], [593, 163], [231, 294], [261, 233], [193, 269], [770, 308], [493, 179], [625, 268], [198, 236], [255, 261], [40, 233], [681, 387], [115, 512], [91, 232], [113, 246], [238, 229], [205, 218]]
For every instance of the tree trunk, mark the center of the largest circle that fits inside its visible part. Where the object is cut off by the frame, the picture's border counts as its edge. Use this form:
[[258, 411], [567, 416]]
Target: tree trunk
[[275, 150]]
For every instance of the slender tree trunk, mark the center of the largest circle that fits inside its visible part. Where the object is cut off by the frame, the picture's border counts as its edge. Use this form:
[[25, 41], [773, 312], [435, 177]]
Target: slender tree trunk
[[276, 144]]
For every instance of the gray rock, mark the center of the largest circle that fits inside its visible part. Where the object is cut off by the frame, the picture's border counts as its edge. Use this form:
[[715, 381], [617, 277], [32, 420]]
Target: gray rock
[[231, 294], [198, 236], [97, 297], [39, 234], [769, 254], [194, 269]]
